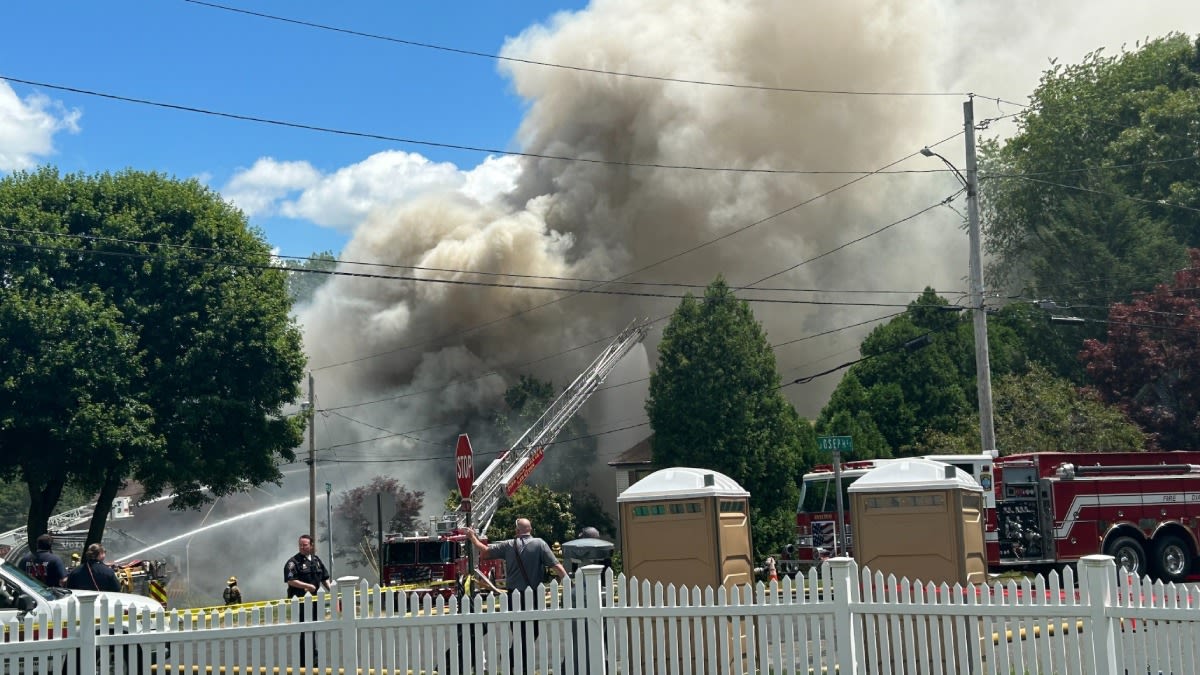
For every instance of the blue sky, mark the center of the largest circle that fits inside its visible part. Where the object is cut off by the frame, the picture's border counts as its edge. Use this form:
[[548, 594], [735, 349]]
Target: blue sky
[[188, 54]]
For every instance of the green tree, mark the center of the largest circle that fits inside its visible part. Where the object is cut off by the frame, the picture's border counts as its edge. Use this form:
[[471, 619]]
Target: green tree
[[569, 460], [1148, 363], [552, 514], [181, 352], [1080, 205], [715, 403], [304, 277], [1038, 412]]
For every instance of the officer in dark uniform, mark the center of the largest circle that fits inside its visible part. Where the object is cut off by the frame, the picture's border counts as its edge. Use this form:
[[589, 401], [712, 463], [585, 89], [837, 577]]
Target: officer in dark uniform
[[304, 573]]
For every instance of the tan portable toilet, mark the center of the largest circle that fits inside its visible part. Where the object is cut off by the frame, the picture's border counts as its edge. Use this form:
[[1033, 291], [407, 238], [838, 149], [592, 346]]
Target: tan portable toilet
[[687, 526], [919, 519]]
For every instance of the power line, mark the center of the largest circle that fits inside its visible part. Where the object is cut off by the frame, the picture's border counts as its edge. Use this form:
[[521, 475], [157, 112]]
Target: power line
[[452, 282], [341, 261], [439, 144], [1156, 202], [598, 71], [477, 454]]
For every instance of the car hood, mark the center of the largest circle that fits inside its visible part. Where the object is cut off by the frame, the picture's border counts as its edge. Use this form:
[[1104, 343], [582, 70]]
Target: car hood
[[128, 601]]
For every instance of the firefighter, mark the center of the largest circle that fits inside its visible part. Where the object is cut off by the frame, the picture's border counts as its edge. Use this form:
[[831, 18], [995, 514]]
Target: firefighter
[[44, 565], [232, 594]]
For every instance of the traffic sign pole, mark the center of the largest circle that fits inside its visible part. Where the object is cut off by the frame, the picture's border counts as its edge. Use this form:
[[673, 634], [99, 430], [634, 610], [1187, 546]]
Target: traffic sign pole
[[838, 528], [837, 445], [464, 465]]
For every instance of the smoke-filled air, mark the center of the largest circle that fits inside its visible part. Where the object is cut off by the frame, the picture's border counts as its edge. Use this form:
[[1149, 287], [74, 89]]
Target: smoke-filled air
[[427, 361]]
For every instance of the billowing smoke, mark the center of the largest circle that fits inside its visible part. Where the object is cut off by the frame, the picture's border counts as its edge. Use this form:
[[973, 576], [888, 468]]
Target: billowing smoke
[[594, 220], [435, 358]]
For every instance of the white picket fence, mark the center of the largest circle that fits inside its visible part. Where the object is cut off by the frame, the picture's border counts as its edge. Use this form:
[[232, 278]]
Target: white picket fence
[[838, 620]]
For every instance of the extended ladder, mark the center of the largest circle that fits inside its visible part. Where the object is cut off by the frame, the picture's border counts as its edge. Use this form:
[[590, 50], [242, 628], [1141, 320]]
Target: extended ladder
[[510, 470]]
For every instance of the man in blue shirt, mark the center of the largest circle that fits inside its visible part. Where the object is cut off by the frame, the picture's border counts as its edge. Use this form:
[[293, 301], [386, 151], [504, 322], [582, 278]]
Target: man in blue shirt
[[44, 565]]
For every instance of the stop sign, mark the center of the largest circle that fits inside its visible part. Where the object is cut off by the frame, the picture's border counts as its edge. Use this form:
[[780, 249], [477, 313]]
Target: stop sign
[[464, 466]]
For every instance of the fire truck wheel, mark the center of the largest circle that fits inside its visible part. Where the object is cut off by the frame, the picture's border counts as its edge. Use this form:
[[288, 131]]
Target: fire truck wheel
[[1172, 558], [1128, 553]]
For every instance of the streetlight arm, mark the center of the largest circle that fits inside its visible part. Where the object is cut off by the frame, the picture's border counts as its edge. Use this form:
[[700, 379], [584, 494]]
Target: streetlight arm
[[962, 179]]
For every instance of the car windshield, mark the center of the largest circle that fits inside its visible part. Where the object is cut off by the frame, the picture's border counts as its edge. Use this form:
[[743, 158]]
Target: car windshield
[[11, 571], [818, 495]]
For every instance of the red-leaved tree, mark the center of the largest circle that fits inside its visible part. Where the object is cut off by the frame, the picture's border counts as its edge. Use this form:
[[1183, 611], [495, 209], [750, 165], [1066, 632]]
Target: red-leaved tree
[[1149, 366], [356, 518]]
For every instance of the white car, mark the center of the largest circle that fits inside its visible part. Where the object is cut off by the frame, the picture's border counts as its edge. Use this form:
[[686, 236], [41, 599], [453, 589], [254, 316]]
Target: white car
[[21, 595]]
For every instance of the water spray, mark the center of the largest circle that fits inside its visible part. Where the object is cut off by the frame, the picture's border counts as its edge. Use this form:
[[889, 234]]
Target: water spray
[[198, 530]]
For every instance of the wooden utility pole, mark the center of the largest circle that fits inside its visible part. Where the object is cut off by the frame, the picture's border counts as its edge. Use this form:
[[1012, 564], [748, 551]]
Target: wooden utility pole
[[312, 458]]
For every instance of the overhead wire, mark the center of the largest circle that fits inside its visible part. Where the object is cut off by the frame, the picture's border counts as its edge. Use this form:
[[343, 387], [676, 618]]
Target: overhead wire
[[438, 144], [547, 64], [454, 282]]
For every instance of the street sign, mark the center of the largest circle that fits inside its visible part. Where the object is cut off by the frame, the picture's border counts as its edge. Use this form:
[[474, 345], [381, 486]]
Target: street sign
[[835, 443], [464, 466]]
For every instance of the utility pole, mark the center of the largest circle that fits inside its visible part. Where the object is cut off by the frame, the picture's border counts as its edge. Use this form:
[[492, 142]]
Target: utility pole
[[983, 368], [312, 458]]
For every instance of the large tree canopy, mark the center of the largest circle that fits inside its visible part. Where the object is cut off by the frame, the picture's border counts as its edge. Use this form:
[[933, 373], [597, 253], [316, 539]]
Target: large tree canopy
[[1149, 363], [715, 403], [1035, 411], [1082, 204], [916, 377], [146, 335]]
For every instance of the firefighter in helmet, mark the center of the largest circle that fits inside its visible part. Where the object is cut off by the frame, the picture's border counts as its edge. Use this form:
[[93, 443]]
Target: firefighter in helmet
[[232, 594]]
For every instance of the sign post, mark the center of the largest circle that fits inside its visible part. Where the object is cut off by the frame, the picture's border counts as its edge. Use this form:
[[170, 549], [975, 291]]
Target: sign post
[[464, 473], [836, 445], [329, 524]]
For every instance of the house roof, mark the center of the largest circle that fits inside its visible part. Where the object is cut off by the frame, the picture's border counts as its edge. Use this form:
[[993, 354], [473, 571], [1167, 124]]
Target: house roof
[[638, 454]]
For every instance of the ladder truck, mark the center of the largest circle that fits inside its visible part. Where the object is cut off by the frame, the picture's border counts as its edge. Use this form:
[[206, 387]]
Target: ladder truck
[[439, 558], [14, 544]]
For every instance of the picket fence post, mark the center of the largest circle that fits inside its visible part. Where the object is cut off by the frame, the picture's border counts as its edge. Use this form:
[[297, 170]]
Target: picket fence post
[[844, 591], [593, 605], [347, 615], [1099, 573], [87, 627]]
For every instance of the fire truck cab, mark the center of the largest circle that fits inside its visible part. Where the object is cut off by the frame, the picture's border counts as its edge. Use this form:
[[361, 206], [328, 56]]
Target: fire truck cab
[[1142, 508], [817, 509], [432, 561]]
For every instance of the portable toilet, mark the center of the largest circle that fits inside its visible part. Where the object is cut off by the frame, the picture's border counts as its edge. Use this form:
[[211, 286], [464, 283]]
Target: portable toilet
[[919, 519], [688, 527]]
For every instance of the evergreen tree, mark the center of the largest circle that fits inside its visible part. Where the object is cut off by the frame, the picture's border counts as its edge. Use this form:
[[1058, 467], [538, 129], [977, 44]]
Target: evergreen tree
[[715, 403]]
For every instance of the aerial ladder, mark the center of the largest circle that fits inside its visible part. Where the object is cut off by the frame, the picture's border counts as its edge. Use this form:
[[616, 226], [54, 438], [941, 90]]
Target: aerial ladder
[[508, 472], [15, 541]]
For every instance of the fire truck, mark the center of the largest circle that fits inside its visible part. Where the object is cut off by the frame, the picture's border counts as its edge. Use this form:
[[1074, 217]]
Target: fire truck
[[816, 514], [1052, 508], [435, 560]]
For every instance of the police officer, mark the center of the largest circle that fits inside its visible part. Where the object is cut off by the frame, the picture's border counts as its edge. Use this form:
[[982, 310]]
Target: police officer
[[304, 573]]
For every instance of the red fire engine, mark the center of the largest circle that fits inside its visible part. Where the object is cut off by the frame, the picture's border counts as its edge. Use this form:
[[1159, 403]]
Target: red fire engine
[[816, 536], [437, 559], [1047, 509], [433, 560], [1052, 508]]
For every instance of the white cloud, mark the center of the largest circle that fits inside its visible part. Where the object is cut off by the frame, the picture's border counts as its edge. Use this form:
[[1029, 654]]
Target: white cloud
[[27, 127], [342, 199], [257, 190], [494, 177]]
